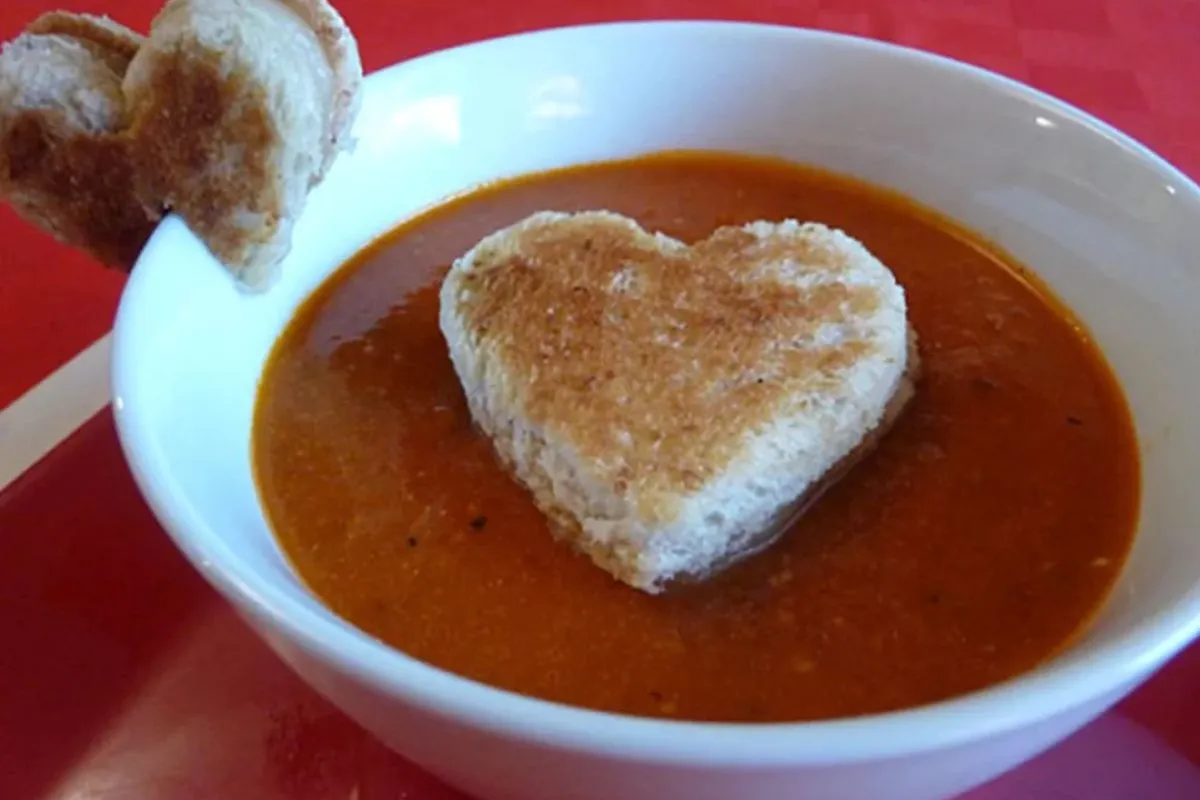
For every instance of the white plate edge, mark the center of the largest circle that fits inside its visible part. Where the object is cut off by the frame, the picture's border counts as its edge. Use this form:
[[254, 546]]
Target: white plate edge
[[46, 415]]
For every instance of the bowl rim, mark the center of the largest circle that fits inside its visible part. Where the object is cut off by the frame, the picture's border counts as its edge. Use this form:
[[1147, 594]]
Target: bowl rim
[[1049, 690]]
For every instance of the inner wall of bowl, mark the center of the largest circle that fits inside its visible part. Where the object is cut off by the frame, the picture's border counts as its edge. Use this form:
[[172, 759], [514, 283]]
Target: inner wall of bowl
[[1104, 226]]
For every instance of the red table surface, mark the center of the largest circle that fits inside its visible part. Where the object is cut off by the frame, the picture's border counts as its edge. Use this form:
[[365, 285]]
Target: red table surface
[[123, 675]]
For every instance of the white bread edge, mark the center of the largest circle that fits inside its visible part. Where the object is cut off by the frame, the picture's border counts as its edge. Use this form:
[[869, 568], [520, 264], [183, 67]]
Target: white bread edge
[[341, 52], [730, 515]]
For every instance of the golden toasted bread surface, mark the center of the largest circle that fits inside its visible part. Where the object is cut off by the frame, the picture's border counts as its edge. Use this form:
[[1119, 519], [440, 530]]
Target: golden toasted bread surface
[[185, 119], [65, 164], [656, 359], [227, 115]]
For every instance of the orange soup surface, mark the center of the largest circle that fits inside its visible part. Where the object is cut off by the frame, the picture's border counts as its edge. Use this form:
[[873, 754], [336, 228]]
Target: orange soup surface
[[971, 545]]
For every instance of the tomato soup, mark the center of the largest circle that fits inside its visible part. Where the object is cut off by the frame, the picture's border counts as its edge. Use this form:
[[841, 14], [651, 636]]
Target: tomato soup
[[972, 544]]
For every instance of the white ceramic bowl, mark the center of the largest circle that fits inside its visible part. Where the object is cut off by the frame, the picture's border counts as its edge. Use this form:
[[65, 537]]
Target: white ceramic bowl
[[1111, 227]]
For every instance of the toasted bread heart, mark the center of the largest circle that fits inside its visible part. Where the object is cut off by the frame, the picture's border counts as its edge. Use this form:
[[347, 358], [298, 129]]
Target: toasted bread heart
[[670, 406], [232, 102], [228, 114], [64, 163]]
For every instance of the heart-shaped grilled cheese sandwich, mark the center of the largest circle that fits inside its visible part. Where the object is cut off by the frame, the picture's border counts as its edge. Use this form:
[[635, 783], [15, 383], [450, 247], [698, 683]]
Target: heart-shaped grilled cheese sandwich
[[670, 407]]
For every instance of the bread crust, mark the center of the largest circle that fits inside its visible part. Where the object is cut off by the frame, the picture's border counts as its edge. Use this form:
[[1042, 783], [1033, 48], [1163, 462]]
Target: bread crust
[[117, 43], [341, 51]]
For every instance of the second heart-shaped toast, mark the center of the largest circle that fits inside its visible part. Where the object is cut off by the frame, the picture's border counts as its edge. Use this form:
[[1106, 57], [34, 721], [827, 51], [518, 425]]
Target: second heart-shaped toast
[[670, 407]]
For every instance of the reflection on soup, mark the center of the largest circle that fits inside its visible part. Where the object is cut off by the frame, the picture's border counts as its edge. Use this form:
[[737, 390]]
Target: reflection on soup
[[978, 538]]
